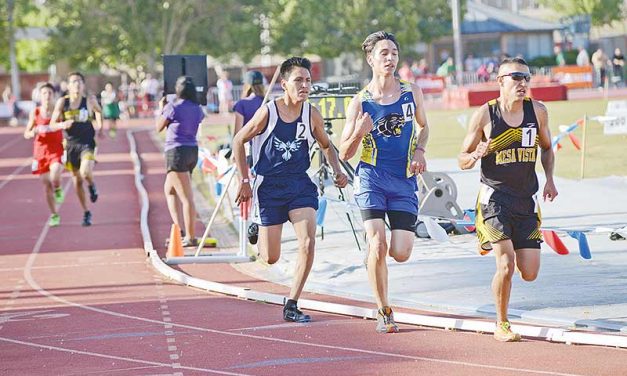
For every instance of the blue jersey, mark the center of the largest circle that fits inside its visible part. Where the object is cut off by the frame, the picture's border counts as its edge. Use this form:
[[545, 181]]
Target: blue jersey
[[283, 148], [392, 142]]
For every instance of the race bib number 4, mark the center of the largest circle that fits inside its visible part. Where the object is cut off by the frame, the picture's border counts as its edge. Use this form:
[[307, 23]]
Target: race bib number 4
[[408, 111]]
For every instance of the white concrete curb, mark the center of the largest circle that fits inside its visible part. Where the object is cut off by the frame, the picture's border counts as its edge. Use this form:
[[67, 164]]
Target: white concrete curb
[[546, 333]]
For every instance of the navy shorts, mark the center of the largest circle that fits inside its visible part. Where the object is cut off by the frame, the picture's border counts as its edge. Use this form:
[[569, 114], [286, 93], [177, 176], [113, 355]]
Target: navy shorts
[[379, 190], [275, 196]]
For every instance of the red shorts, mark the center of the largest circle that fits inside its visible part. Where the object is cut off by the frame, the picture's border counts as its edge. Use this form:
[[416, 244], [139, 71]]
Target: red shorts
[[46, 155]]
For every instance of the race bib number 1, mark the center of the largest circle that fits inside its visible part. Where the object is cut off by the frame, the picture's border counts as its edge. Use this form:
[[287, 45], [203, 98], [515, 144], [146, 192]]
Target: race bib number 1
[[529, 137]]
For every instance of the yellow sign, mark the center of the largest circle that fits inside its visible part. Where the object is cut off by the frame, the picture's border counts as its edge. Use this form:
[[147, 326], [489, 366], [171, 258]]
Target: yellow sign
[[331, 107]]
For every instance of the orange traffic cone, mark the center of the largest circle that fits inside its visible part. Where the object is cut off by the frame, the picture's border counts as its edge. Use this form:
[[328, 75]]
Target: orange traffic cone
[[175, 248]]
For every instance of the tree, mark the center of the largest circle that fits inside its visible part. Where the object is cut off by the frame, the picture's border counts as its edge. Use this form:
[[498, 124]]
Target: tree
[[602, 12]]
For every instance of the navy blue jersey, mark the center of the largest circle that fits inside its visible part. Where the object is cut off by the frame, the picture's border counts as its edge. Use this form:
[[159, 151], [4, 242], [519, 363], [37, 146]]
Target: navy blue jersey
[[283, 148]]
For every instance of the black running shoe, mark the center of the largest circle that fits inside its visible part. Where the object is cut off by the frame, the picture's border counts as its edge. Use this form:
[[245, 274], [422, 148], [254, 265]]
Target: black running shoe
[[253, 233], [93, 193], [87, 218], [293, 314]]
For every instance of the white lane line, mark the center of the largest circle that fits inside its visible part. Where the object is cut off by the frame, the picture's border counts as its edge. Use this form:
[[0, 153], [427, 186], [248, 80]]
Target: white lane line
[[173, 352], [106, 356], [34, 285], [15, 173], [42, 267]]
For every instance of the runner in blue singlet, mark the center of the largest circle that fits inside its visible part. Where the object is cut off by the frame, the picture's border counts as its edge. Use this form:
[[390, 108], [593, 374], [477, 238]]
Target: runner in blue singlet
[[387, 118]]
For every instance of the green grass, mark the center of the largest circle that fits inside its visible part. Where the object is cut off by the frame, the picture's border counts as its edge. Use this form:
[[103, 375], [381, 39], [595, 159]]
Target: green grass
[[604, 154]]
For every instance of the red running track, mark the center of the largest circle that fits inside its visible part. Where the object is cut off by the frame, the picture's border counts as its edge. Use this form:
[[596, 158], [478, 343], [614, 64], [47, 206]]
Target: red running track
[[85, 301]]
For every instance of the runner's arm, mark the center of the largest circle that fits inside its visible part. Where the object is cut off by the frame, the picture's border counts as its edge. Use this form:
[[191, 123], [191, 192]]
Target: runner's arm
[[162, 121], [29, 132], [255, 126], [547, 157], [419, 163], [473, 147], [317, 129], [356, 127], [55, 124], [94, 107]]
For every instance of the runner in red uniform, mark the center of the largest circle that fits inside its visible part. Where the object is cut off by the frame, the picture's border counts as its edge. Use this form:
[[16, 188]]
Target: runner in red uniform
[[47, 150]]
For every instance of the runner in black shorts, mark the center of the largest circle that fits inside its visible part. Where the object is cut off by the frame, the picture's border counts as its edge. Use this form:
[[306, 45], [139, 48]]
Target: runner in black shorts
[[74, 113], [505, 134]]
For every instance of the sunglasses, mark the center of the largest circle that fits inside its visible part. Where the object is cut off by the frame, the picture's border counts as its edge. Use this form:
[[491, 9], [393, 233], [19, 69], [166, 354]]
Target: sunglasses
[[518, 76]]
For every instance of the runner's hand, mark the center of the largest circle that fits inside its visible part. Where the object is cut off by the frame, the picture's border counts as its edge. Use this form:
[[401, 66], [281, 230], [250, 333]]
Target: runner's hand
[[363, 123], [340, 179], [418, 164], [29, 134], [244, 193], [481, 150], [550, 192]]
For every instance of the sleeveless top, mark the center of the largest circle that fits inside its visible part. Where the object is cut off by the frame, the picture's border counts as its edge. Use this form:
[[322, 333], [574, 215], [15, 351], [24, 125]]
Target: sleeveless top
[[392, 142], [82, 131], [283, 148], [510, 165], [44, 134]]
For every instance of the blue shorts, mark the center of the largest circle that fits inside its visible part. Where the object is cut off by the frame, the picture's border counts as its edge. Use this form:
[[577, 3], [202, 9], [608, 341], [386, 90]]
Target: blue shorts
[[275, 196], [379, 190]]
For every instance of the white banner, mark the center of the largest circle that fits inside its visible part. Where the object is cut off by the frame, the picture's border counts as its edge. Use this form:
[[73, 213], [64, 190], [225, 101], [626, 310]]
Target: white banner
[[615, 119]]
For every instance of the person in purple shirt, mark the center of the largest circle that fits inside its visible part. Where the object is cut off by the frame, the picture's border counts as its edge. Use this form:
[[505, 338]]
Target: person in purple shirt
[[252, 97], [181, 119]]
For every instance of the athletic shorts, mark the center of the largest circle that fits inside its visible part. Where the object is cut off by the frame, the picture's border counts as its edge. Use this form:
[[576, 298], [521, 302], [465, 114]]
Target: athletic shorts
[[111, 111], [377, 191], [501, 216], [75, 153], [44, 156], [181, 159], [275, 196]]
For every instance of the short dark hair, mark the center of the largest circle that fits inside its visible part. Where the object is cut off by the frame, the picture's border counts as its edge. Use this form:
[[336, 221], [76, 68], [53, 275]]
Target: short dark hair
[[47, 85], [295, 61], [373, 38], [185, 89], [76, 73], [514, 60]]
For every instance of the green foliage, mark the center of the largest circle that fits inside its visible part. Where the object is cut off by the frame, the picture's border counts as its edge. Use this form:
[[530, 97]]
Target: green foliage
[[602, 12]]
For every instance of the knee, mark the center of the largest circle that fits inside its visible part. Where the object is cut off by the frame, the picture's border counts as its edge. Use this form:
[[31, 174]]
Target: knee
[[505, 269], [270, 259], [529, 276], [378, 249], [401, 256]]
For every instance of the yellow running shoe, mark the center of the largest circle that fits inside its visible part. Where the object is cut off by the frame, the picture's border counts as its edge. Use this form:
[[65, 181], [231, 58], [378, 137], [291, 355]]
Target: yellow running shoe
[[503, 332], [385, 321]]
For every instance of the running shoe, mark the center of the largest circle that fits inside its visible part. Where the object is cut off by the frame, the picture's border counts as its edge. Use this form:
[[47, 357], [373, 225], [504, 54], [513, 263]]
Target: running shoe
[[87, 218], [293, 314], [93, 193], [55, 220], [253, 233], [59, 197], [385, 321], [503, 332], [113, 132], [187, 242]]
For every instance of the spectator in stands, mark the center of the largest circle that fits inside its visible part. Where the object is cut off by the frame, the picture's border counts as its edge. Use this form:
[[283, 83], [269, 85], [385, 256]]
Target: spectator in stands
[[583, 59], [559, 56], [225, 92], [599, 61], [618, 66], [405, 73], [420, 68]]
